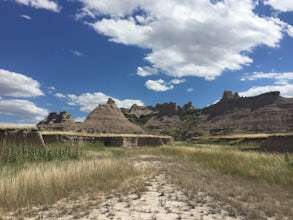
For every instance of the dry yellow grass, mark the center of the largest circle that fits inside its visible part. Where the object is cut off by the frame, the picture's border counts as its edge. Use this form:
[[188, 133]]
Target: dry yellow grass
[[47, 182], [72, 133], [236, 136], [17, 126], [250, 184]]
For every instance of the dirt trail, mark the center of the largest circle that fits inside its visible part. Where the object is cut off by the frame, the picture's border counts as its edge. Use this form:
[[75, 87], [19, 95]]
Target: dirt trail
[[161, 200]]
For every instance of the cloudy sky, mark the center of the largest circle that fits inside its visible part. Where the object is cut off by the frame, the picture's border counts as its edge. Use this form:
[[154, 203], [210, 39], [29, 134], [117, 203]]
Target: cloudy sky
[[72, 55]]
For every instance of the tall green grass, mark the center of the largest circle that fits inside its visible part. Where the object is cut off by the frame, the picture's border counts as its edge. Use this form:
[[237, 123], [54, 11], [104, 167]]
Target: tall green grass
[[270, 168], [18, 155]]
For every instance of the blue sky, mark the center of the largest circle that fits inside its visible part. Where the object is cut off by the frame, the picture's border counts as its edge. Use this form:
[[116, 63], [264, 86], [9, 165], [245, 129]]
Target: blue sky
[[72, 55]]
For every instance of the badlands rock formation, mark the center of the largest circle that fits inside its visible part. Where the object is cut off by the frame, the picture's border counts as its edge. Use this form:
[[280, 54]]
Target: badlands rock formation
[[57, 122], [108, 118], [266, 113]]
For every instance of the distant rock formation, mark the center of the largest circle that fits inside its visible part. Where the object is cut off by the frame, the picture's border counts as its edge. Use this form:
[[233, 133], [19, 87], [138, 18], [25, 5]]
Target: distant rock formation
[[229, 95], [165, 119], [267, 113], [281, 144], [54, 121], [108, 118]]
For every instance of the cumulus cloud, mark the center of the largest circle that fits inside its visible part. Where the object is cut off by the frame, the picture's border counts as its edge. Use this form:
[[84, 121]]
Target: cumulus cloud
[[186, 38], [177, 81], [286, 90], [282, 82], [60, 95], [279, 78], [26, 17], [41, 4], [158, 85], [161, 85], [88, 101], [280, 5], [18, 85], [146, 71], [23, 109]]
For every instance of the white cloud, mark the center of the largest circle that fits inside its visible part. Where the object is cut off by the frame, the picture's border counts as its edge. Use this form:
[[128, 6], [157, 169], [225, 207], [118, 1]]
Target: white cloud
[[60, 95], [52, 88], [146, 71], [89, 101], [187, 38], [18, 85], [110, 7], [279, 78], [190, 90], [177, 81], [26, 17], [161, 85], [290, 30], [41, 4], [77, 53], [280, 5], [286, 90], [158, 85], [79, 119], [24, 109], [282, 82]]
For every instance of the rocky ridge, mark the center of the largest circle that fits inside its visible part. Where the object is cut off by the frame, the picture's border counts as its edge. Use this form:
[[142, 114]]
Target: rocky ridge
[[106, 118], [55, 121], [265, 113]]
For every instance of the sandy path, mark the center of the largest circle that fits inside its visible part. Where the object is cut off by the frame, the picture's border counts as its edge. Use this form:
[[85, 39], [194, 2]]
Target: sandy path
[[161, 200]]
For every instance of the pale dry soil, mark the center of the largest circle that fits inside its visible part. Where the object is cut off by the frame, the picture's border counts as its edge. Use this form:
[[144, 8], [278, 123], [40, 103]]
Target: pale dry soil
[[160, 200]]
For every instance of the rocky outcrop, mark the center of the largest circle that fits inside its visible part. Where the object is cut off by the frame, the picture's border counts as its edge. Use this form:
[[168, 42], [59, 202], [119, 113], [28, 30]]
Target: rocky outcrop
[[20, 137], [60, 122], [141, 110], [267, 113], [229, 95], [108, 118], [165, 119], [279, 143]]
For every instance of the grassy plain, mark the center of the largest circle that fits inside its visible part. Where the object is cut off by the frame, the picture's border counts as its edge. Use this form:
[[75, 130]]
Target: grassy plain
[[251, 184]]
